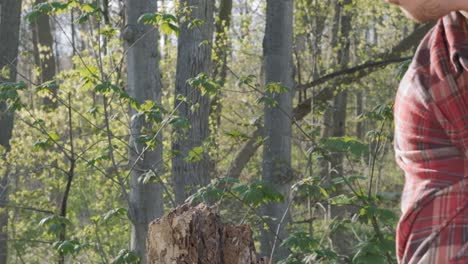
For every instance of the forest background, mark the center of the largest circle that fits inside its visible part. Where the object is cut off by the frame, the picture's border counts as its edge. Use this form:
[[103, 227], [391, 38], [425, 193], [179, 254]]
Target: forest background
[[277, 112]]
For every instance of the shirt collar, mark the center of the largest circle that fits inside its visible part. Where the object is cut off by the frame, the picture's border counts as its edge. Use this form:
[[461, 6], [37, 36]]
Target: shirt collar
[[455, 27]]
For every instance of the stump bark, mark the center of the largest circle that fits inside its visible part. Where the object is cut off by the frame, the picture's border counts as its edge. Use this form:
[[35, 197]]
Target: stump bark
[[196, 235]]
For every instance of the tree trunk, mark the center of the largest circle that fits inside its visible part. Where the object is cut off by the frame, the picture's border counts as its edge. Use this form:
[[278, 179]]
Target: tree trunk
[[342, 242], [277, 52], [144, 84], [360, 125], [44, 53], [196, 235], [326, 165], [222, 50], [10, 17], [341, 100], [194, 57]]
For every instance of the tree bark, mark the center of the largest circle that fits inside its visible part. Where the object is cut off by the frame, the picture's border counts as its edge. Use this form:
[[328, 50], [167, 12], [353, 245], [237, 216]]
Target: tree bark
[[340, 101], [194, 57], [196, 235], [341, 241], [10, 17], [144, 84], [276, 165], [44, 55]]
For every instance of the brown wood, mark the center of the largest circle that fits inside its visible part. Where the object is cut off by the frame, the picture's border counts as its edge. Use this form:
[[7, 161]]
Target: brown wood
[[196, 235]]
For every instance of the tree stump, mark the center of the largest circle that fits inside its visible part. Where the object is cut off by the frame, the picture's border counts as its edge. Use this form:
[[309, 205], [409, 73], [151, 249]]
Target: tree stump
[[196, 235]]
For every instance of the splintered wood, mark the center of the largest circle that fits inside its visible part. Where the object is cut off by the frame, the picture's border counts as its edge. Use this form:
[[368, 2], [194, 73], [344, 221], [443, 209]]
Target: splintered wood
[[196, 235]]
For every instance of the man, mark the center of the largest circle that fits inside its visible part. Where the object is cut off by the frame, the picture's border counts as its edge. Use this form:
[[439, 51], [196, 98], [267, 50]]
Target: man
[[431, 138]]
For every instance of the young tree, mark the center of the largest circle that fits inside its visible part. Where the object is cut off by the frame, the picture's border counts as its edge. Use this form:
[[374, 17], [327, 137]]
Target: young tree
[[10, 16], [341, 100], [277, 52], [194, 58], [144, 84]]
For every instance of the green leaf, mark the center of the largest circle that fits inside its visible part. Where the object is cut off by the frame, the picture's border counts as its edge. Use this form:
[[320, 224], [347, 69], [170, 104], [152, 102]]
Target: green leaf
[[55, 223], [237, 135], [151, 111], [166, 22], [46, 9], [248, 80], [343, 200], [204, 84], [275, 88], [89, 8], [195, 155], [53, 136], [68, 247], [257, 192], [42, 144], [9, 92], [179, 122], [213, 191], [346, 145], [384, 215], [195, 23]]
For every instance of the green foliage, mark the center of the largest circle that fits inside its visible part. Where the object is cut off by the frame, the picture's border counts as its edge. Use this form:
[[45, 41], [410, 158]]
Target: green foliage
[[349, 145], [271, 91], [46, 9], [70, 247], [97, 225], [257, 192], [237, 135], [195, 155], [254, 193], [204, 84], [9, 93], [306, 249], [55, 224], [166, 22], [373, 250]]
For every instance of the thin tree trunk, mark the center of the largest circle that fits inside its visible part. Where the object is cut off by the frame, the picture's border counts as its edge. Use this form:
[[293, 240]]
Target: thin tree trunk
[[44, 53], [146, 201], [222, 51], [10, 17], [326, 165], [360, 125], [277, 52], [342, 241], [341, 100], [194, 57]]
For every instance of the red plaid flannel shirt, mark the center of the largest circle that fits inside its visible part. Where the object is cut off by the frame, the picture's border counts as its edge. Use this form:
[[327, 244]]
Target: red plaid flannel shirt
[[431, 144]]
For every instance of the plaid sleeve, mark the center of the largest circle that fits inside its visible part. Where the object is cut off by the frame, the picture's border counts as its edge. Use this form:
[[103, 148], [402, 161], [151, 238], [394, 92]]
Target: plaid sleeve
[[451, 109]]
